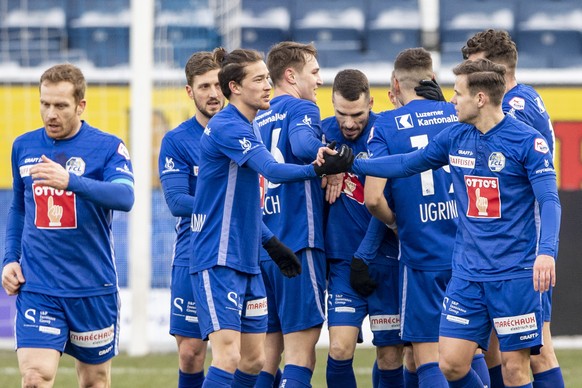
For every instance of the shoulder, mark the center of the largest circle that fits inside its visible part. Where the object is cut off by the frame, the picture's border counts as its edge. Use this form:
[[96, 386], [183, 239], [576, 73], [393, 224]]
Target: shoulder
[[34, 135]]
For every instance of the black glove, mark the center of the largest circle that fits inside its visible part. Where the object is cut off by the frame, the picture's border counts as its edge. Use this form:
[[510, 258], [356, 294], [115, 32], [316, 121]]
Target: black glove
[[430, 90], [334, 164], [360, 279], [283, 256]]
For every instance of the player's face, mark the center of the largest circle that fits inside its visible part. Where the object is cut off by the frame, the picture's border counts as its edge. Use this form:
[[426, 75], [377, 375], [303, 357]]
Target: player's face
[[465, 104], [308, 79], [60, 113], [352, 116], [206, 93], [255, 87]]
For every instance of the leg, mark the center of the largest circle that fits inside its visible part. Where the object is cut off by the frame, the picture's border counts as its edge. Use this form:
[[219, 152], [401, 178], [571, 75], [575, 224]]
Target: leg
[[410, 375], [547, 359], [455, 357], [493, 360], [515, 366], [342, 345], [300, 347], [94, 375], [226, 346], [273, 351], [252, 357], [191, 354], [389, 359], [38, 367]]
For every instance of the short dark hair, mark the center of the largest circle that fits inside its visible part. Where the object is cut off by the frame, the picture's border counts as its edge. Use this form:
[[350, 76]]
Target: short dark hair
[[66, 72], [288, 54], [484, 75], [496, 45], [412, 66], [233, 66], [351, 84], [199, 63]]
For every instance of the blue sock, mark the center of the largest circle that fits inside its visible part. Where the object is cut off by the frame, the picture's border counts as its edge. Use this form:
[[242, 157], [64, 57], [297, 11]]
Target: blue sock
[[295, 376], [549, 379], [218, 378], [243, 380], [265, 380], [429, 375], [471, 380], [190, 380], [340, 373], [375, 375], [496, 377], [277, 378], [480, 366], [410, 379], [391, 378]]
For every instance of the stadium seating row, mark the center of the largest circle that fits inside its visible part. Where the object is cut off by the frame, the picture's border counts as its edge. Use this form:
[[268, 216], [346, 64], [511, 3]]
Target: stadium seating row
[[548, 33]]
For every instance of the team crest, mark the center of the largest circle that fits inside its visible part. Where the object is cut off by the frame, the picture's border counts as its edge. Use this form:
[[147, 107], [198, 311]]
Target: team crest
[[496, 161], [75, 166]]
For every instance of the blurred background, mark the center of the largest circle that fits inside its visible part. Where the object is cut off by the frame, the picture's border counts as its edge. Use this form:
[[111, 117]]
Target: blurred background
[[363, 34]]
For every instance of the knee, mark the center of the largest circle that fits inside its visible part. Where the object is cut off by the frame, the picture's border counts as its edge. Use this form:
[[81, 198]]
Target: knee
[[33, 379], [253, 363], [192, 356], [452, 370], [390, 358], [515, 371], [340, 351]]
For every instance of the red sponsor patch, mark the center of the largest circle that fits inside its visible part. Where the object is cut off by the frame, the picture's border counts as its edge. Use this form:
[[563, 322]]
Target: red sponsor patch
[[262, 189], [353, 188], [484, 200], [55, 209]]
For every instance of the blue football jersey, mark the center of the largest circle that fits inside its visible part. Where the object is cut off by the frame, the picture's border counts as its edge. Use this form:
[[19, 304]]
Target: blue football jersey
[[69, 252], [424, 204], [492, 177], [526, 105], [226, 219], [293, 211], [179, 157]]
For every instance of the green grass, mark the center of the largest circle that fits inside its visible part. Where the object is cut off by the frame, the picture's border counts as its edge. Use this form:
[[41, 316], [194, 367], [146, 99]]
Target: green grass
[[160, 370]]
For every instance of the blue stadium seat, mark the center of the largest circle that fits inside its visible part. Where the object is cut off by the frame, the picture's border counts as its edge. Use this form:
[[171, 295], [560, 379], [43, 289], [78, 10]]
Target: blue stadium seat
[[551, 31], [392, 26], [330, 24], [459, 20], [180, 5], [77, 8], [264, 23]]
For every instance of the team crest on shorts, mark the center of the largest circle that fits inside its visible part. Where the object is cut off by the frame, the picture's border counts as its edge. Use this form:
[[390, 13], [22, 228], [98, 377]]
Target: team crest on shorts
[[496, 161]]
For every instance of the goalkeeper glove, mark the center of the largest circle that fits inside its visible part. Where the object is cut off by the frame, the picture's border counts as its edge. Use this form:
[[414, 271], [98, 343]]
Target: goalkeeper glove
[[334, 164], [360, 279], [284, 257], [430, 90]]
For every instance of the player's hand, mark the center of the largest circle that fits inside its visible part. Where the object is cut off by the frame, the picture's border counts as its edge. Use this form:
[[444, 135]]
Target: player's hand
[[430, 90], [49, 173], [12, 278], [284, 257], [333, 186], [328, 149], [335, 162], [360, 279], [544, 273]]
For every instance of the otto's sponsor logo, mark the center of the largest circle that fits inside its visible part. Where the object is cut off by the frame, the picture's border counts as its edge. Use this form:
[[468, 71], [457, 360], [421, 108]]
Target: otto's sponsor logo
[[516, 324], [353, 188], [484, 199], [122, 150], [517, 103], [384, 322], [54, 208], [93, 339], [496, 161], [540, 145], [76, 165], [461, 161], [256, 308], [404, 121]]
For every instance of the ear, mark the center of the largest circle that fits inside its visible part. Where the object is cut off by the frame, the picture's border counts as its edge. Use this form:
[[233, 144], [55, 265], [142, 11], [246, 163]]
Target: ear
[[290, 75], [190, 92], [396, 86], [81, 107], [481, 99], [234, 87], [371, 103]]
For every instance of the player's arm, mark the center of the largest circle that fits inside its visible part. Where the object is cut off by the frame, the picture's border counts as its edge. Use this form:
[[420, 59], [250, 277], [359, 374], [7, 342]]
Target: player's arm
[[546, 193], [304, 132], [116, 195], [176, 190], [376, 201]]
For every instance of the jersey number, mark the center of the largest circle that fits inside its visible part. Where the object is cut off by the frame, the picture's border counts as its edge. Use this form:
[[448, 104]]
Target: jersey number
[[426, 177]]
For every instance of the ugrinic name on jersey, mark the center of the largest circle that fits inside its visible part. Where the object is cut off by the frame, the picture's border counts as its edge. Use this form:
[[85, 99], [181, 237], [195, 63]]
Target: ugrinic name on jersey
[[435, 211], [437, 120], [271, 205], [276, 117]]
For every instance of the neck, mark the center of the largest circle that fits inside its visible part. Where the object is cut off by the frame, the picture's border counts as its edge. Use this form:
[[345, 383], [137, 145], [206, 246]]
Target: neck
[[247, 111], [202, 119], [510, 81], [284, 89], [489, 118]]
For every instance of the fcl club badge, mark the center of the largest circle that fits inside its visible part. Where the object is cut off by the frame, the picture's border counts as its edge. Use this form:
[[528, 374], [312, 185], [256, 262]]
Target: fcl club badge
[[55, 209]]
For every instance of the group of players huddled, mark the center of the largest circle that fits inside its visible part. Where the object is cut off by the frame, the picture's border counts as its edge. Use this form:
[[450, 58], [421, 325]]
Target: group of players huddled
[[437, 220]]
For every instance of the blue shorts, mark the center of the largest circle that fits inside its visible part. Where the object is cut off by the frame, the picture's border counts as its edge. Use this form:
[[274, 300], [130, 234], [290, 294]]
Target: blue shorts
[[512, 307], [345, 307], [229, 299], [422, 294], [86, 328], [183, 317], [298, 303], [547, 304]]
